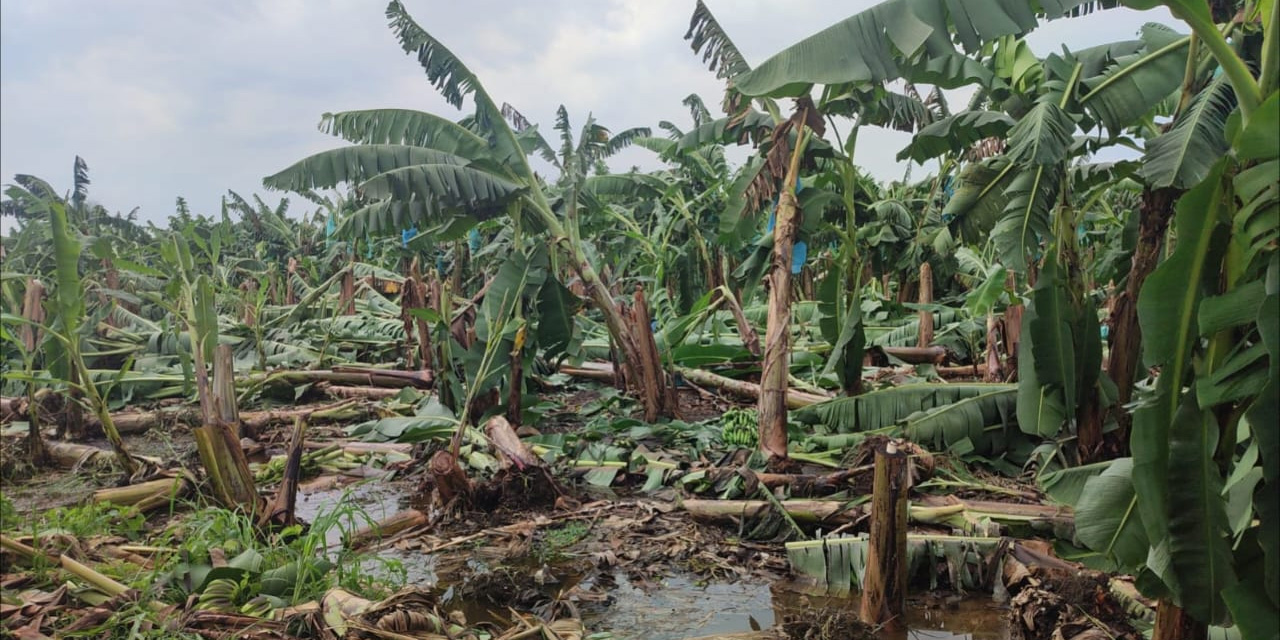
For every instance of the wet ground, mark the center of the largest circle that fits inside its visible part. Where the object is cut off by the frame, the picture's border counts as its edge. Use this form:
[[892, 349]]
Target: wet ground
[[674, 606]]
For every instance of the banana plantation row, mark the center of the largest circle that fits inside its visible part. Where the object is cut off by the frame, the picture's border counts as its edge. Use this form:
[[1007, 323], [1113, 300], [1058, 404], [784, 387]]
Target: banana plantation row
[[1108, 332]]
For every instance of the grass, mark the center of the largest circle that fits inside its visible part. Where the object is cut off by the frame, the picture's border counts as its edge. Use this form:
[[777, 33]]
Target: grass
[[283, 568], [554, 542]]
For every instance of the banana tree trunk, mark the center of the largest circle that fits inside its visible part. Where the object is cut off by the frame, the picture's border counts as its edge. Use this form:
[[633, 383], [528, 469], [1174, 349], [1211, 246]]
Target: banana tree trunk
[[629, 340], [416, 332], [993, 372], [1124, 333], [1012, 328], [750, 339], [290, 298], [348, 300], [658, 397], [777, 349], [925, 297], [1172, 623], [216, 440], [515, 388], [33, 313]]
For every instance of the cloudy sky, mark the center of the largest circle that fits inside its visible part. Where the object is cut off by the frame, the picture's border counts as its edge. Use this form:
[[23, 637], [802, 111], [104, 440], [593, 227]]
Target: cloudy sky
[[167, 99]]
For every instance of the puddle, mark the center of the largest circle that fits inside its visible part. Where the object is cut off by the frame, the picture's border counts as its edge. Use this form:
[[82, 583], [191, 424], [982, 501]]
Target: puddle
[[681, 608]]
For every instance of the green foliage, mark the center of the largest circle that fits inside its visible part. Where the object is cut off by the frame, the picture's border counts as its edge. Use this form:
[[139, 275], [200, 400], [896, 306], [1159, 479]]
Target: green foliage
[[89, 520], [295, 565]]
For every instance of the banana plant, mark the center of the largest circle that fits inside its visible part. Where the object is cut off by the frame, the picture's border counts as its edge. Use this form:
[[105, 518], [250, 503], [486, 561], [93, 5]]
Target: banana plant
[[420, 169], [67, 362], [1199, 523]]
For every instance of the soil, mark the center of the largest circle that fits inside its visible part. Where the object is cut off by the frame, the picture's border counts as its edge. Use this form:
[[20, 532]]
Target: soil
[[827, 624], [1064, 603], [695, 406], [531, 543]]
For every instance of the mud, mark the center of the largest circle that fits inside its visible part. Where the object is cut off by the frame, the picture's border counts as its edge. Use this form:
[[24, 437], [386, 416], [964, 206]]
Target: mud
[[1063, 603]]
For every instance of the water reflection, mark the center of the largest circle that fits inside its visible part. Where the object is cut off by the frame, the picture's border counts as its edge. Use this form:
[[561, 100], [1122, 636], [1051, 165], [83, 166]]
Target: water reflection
[[680, 608]]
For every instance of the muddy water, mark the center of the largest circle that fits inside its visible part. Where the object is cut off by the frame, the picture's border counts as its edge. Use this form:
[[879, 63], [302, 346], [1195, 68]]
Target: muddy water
[[679, 606], [682, 608]]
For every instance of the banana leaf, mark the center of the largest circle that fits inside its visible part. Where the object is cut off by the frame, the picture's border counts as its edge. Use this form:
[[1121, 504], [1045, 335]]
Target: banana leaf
[[837, 566], [886, 407]]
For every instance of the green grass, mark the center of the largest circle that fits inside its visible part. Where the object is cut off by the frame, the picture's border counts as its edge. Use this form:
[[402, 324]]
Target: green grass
[[286, 567], [555, 541]]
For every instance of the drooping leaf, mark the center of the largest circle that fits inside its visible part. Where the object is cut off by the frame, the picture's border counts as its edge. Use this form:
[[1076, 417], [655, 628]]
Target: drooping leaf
[[752, 126], [1125, 92], [1107, 517], [955, 133], [969, 419], [405, 127], [980, 199], [886, 407], [464, 188], [556, 328], [875, 44], [1067, 485], [354, 165], [1263, 415], [1182, 156], [455, 81]]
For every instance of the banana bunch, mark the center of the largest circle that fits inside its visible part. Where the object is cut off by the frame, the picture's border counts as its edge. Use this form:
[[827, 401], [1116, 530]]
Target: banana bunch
[[259, 607], [220, 595], [330, 459], [740, 427]]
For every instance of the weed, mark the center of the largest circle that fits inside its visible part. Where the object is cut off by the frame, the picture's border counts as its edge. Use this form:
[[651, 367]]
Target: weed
[[8, 515], [93, 519], [554, 541], [133, 621], [296, 564]]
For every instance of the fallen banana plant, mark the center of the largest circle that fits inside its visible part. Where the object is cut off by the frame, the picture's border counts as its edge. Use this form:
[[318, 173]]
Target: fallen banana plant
[[415, 613], [150, 495], [837, 566], [970, 517]]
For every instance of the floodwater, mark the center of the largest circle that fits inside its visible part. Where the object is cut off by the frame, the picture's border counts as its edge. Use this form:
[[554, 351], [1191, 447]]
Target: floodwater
[[683, 606]]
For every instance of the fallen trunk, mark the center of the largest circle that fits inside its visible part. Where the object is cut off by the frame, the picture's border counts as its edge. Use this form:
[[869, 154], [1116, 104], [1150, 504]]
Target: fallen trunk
[[979, 370], [806, 511], [135, 422], [369, 393], [510, 448], [932, 510], [598, 371], [359, 448], [915, 355], [387, 527], [12, 409], [746, 390], [70, 455], [147, 496], [355, 376], [603, 372]]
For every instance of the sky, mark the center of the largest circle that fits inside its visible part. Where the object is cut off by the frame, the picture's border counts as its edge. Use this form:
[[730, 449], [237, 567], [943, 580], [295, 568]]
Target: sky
[[166, 99]]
